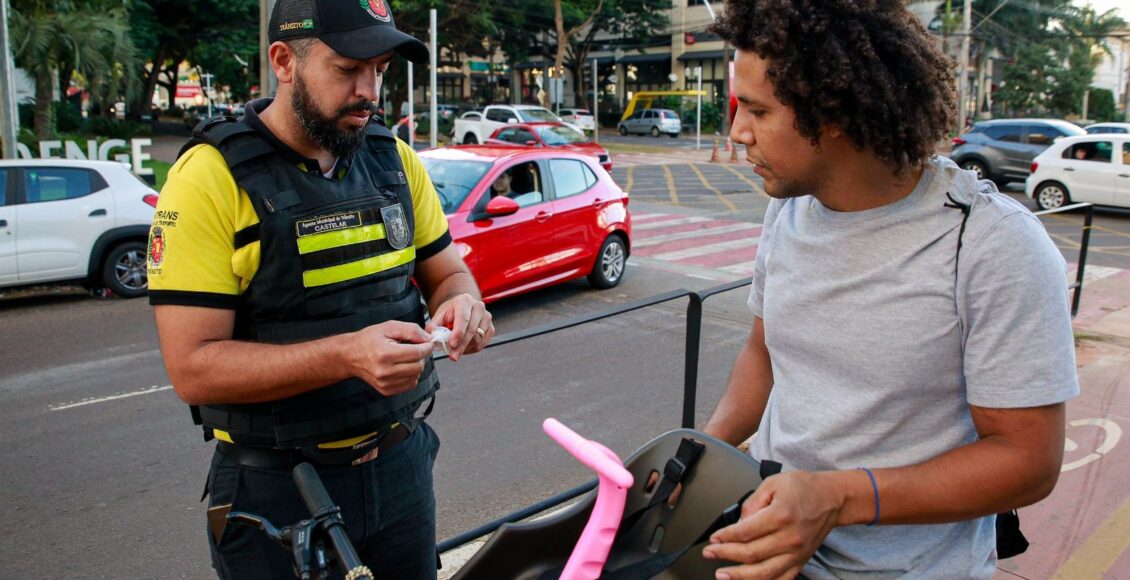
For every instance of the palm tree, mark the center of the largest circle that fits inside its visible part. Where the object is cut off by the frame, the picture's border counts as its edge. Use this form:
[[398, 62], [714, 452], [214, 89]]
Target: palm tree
[[53, 38]]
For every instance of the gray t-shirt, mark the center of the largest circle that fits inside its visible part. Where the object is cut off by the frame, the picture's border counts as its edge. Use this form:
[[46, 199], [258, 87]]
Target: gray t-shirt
[[878, 350]]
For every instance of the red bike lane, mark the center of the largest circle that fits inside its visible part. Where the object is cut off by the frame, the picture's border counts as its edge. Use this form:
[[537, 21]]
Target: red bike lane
[[1082, 530]]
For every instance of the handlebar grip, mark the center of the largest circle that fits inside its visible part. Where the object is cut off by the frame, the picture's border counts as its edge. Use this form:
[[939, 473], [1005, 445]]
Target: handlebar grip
[[310, 487], [318, 502]]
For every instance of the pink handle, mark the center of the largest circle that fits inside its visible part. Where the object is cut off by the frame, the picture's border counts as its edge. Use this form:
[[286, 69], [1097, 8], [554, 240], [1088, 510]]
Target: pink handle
[[588, 557]]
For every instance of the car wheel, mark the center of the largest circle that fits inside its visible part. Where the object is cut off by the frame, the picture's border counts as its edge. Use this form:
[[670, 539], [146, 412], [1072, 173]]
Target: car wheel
[[610, 263], [1051, 195], [977, 168], [623, 130], [655, 131], [469, 139], [124, 271]]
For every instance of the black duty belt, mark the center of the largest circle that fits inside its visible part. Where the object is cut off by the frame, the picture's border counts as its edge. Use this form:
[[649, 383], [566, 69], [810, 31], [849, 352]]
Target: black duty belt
[[278, 459]]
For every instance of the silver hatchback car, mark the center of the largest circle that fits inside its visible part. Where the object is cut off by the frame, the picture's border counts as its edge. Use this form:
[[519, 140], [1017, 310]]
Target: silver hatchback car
[[654, 121]]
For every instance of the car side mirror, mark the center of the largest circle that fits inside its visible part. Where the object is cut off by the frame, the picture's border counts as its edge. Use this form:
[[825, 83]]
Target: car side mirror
[[512, 121], [501, 206]]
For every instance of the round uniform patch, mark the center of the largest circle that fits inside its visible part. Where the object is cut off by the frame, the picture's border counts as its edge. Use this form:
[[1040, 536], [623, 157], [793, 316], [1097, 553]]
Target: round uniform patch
[[156, 246], [376, 8]]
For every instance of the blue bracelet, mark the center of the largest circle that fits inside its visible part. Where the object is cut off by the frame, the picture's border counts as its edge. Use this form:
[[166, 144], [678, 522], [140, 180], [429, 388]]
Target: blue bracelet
[[875, 488]]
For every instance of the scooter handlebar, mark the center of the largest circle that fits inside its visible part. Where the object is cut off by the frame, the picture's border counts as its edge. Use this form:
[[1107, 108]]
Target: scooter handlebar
[[319, 503]]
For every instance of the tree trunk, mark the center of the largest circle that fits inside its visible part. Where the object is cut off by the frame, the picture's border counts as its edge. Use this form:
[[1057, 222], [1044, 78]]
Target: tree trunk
[[45, 106], [144, 100]]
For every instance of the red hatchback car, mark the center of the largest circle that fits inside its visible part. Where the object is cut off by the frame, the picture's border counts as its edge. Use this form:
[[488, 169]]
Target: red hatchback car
[[526, 218], [550, 134]]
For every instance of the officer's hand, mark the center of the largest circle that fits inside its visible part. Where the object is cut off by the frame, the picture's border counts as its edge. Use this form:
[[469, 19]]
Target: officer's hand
[[389, 356], [466, 316], [781, 526]]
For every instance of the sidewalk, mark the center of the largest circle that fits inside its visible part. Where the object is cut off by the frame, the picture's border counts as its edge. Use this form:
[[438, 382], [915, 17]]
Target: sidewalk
[[1083, 529]]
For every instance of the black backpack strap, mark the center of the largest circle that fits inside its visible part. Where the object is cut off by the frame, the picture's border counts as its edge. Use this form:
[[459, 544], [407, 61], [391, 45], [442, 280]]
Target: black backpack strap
[[674, 472]]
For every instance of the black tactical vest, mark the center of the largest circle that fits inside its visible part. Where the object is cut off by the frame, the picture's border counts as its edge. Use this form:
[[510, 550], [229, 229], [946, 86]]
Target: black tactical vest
[[336, 256]]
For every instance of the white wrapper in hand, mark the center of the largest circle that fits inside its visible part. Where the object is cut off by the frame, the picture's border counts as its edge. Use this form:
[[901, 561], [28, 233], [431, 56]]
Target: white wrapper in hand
[[440, 337]]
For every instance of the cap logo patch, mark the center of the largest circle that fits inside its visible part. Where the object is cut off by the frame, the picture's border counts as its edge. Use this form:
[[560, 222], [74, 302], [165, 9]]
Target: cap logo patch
[[307, 24], [377, 9]]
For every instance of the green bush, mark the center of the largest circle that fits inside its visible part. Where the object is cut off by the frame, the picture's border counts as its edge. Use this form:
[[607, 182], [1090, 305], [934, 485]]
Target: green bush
[[116, 129]]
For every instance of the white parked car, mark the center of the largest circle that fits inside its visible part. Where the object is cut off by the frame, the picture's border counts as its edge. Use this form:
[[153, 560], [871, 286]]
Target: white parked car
[[66, 220], [1121, 128], [580, 117], [475, 129], [1092, 168]]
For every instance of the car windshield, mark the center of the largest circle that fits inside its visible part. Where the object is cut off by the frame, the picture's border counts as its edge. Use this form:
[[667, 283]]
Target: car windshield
[[535, 115], [558, 135], [454, 179]]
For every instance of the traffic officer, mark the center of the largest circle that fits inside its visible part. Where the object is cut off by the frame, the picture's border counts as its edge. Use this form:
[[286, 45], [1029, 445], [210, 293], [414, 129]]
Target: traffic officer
[[302, 250]]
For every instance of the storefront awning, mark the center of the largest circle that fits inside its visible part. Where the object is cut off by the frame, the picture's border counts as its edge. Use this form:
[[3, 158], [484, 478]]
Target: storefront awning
[[642, 58], [701, 55]]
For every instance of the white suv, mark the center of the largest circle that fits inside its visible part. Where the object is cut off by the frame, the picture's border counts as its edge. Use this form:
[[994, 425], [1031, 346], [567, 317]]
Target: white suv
[[66, 220]]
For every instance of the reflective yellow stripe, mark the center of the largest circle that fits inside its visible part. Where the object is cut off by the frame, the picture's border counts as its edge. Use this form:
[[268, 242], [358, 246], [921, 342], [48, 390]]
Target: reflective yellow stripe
[[358, 269], [352, 441], [224, 436], [340, 238]]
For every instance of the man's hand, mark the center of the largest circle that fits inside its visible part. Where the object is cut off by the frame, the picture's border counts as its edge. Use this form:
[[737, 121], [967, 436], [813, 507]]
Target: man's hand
[[781, 526], [465, 315], [389, 356]]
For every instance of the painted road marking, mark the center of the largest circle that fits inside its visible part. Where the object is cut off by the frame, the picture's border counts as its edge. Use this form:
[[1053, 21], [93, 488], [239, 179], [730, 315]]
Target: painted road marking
[[705, 250], [722, 229], [84, 402], [1111, 434], [706, 183], [671, 184], [1101, 550], [671, 222]]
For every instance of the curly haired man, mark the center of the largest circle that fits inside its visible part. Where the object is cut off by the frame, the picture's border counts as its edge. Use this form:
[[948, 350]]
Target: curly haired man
[[898, 303]]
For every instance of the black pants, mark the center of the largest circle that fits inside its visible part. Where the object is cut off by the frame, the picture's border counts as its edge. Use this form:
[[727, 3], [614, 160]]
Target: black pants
[[388, 505]]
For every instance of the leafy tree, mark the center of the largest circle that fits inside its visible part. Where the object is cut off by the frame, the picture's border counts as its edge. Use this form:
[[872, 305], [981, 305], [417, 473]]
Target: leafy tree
[[1102, 106], [205, 32], [53, 39]]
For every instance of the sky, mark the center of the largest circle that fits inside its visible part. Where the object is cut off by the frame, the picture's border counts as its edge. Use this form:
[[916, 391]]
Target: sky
[[1102, 6]]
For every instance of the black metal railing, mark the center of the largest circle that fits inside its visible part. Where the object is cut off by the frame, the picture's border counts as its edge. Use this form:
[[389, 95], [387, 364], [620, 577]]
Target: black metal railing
[[690, 362], [1088, 218]]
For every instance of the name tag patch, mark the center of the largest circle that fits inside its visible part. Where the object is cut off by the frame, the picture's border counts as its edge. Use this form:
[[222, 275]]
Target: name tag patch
[[328, 223]]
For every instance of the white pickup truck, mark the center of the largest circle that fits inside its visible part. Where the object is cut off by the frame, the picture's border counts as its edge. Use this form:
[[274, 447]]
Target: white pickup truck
[[475, 127]]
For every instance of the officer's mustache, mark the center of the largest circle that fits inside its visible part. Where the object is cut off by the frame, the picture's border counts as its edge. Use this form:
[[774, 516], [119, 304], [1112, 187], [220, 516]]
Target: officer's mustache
[[362, 106]]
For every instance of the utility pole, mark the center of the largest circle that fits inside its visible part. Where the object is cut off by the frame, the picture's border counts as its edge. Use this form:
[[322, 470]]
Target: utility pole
[[434, 53], [595, 106], [267, 79], [207, 78], [966, 33], [9, 115]]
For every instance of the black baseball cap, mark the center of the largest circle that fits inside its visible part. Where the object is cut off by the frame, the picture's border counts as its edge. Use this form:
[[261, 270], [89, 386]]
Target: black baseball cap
[[359, 29]]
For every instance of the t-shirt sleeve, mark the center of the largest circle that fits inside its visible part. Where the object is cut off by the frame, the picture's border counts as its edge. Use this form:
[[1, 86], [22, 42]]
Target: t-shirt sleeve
[[192, 239], [1012, 291], [756, 301], [432, 235]]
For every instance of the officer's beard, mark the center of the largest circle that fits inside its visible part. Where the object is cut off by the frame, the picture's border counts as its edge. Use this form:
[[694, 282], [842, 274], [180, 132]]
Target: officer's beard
[[326, 132]]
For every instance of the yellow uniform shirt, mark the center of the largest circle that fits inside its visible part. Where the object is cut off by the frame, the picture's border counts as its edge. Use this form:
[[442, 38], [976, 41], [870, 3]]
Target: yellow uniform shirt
[[192, 255]]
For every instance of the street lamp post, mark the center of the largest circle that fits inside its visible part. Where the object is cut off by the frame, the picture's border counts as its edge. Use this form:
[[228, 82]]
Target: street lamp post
[[698, 113], [9, 117]]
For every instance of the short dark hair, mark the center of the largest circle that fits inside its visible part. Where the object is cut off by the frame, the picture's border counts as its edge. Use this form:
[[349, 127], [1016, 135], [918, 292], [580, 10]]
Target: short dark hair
[[300, 47], [867, 67]]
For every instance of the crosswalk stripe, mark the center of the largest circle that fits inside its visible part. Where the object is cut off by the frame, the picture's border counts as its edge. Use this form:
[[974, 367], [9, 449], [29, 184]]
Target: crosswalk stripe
[[742, 269], [707, 249], [665, 238], [668, 223]]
